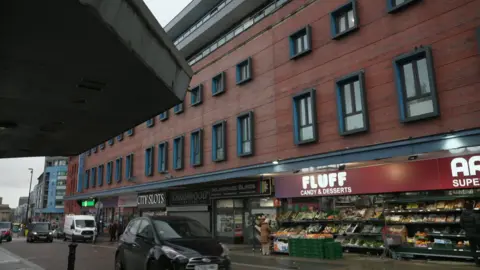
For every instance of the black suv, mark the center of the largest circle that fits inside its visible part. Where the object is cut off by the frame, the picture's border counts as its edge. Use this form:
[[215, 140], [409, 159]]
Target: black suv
[[39, 231], [168, 242]]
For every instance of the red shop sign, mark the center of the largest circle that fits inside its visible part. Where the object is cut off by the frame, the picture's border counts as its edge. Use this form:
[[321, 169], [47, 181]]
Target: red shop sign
[[434, 174]]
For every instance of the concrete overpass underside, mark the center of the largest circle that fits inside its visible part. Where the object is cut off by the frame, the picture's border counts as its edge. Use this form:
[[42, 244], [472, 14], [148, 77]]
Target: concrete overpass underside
[[75, 73]]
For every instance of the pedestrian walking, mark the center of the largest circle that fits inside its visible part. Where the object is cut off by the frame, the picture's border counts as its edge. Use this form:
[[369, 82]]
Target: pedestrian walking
[[470, 222], [265, 235], [112, 230]]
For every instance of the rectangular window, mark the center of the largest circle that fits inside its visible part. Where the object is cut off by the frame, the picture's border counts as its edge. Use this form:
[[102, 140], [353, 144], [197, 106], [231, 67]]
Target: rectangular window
[[344, 19], [178, 153], [415, 82], [245, 134], [130, 132], [118, 169], [100, 175], [94, 149], [218, 141], [305, 117], [163, 116], [149, 161], [93, 176], [87, 178], [178, 108], [110, 142], [129, 167], [102, 146], [244, 71], [120, 137], [300, 42], [218, 84], [163, 157], [88, 152], [196, 95], [351, 104], [109, 172], [397, 5], [196, 148], [150, 122]]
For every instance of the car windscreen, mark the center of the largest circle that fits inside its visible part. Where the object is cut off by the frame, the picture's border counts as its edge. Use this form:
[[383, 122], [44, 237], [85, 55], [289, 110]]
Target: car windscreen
[[4, 225], [41, 227], [85, 223], [172, 229]]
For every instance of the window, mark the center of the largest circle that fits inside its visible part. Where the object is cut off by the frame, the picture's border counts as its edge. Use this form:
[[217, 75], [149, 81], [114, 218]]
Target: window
[[109, 172], [305, 117], [100, 175], [397, 5], [118, 169], [300, 42], [415, 84], [93, 177], [110, 142], [120, 137], [244, 71], [149, 161], [130, 132], [245, 134], [87, 179], [102, 146], [196, 147], [151, 122], [218, 141], [163, 157], [344, 20], [196, 95], [178, 153], [88, 153], [351, 104], [129, 167], [218, 84], [94, 150], [178, 109], [163, 116]]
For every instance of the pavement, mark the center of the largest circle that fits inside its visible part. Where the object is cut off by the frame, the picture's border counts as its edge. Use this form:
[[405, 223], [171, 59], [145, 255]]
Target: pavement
[[18, 255]]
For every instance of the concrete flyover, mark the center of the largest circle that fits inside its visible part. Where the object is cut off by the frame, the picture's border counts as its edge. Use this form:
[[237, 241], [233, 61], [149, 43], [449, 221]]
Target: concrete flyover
[[75, 73]]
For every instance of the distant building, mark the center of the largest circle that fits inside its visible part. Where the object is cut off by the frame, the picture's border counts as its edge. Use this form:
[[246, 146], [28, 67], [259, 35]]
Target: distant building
[[5, 211], [22, 200]]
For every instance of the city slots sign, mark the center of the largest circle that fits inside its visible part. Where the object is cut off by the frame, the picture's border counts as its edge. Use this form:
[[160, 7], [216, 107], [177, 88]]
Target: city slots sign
[[152, 200]]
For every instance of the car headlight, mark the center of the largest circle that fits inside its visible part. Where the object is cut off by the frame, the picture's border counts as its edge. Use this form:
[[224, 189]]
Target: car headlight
[[50, 233], [35, 233], [172, 253], [226, 251]]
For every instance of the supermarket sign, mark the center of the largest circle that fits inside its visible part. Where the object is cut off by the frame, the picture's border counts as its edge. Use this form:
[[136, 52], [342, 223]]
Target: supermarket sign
[[435, 174]]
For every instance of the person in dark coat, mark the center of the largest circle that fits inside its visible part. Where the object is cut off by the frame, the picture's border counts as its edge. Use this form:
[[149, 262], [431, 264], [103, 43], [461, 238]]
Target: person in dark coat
[[112, 230], [470, 222]]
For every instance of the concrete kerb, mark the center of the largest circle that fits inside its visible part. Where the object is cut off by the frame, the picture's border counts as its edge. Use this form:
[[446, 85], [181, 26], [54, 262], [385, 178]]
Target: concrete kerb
[[6, 257]]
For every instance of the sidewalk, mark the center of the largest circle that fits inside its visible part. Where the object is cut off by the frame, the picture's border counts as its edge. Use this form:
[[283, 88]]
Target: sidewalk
[[9, 261]]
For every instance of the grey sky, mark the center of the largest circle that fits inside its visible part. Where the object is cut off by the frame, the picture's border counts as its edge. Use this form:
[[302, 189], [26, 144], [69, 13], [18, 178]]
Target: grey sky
[[14, 174]]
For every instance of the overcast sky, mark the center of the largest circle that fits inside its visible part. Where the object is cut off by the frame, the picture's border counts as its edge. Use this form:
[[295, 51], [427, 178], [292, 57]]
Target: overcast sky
[[14, 173]]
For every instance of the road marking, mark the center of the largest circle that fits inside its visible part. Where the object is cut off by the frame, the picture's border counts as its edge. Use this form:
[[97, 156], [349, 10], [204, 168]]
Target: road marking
[[261, 266]]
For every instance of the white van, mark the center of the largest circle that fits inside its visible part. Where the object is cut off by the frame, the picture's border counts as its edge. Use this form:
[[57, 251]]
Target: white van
[[78, 227]]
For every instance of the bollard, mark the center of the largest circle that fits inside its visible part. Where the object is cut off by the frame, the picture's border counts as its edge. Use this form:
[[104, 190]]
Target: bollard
[[71, 256]]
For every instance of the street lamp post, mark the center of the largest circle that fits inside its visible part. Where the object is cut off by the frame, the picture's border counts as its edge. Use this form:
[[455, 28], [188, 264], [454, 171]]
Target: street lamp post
[[29, 188]]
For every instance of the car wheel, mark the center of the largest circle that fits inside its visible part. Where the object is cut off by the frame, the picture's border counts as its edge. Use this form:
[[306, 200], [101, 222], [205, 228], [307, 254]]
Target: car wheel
[[118, 263]]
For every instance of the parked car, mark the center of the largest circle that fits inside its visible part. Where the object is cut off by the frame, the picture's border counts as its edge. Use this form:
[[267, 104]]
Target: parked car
[[169, 242], [58, 233], [5, 231], [39, 231]]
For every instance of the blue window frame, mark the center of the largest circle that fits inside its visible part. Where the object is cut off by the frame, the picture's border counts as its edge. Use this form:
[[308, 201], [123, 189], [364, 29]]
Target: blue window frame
[[398, 5], [88, 152], [149, 161], [87, 179], [130, 132], [102, 146], [111, 142], [196, 148], [178, 153], [196, 95], [94, 149], [300, 42], [93, 176], [163, 116], [150, 122], [101, 170], [245, 133], [344, 20], [218, 84], [415, 84], [219, 146], [351, 104], [109, 176], [129, 167], [178, 109], [163, 157], [305, 117], [244, 71], [120, 137], [118, 169]]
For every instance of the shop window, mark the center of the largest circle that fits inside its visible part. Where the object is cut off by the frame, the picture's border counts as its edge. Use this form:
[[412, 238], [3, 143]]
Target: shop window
[[163, 116], [118, 169], [351, 104], [305, 117], [196, 148], [178, 153], [149, 161], [178, 109], [196, 95], [130, 132], [87, 179], [344, 20], [109, 172], [110, 142], [398, 5], [129, 167], [163, 157], [218, 141], [100, 175], [120, 137], [94, 149], [245, 134], [244, 71], [102, 146], [93, 177], [218, 84], [300, 42], [415, 83], [150, 122]]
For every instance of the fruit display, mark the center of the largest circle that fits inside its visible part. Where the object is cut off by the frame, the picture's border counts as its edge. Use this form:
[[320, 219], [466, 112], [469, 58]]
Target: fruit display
[[418, 218]]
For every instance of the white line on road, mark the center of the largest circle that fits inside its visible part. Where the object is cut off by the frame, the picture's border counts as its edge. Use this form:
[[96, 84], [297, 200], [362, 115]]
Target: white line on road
[[259, 266]]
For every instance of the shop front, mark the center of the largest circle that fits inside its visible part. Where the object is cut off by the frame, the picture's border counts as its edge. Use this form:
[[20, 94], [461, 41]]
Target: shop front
[[195, 204], [126, 210], [152, 204], [106, 213], [410, 208]]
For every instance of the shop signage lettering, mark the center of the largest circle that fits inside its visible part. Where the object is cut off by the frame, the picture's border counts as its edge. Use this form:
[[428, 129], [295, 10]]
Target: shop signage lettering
[[465, 171], [249, 188], [189, 197], [152, 199], [326, 183]]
